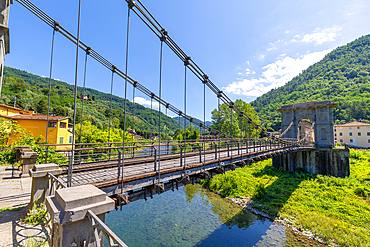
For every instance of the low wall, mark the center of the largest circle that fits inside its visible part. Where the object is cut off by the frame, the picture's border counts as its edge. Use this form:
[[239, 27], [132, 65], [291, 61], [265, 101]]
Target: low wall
[[334, 162]]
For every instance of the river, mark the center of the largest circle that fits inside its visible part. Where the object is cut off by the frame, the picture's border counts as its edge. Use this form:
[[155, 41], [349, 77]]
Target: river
[[193, 216]]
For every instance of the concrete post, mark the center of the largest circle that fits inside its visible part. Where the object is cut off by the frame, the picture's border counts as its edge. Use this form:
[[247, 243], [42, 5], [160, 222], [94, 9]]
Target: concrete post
[[68, 211], [27, 157], [40, 181]]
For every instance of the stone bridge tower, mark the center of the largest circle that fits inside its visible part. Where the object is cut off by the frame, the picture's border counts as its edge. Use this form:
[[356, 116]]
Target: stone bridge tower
[[4, 35], [318, 112]]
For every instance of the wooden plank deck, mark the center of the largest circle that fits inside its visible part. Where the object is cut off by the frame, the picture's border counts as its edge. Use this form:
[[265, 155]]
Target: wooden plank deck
[[144, 172]]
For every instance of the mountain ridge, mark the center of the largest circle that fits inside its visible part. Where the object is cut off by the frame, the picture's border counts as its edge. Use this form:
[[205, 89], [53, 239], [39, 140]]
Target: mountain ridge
[[341, 76]]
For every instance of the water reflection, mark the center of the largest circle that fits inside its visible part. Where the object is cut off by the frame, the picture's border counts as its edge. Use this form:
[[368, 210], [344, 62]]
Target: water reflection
[[193, 216]]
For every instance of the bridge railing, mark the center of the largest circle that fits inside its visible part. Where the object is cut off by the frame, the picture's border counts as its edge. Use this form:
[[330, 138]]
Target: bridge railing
[[99, 152], [111, 155], [97, 224]]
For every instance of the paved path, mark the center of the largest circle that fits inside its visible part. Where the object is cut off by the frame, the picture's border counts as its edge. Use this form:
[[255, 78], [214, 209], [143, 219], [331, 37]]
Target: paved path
[[13, 232], [14, 193]]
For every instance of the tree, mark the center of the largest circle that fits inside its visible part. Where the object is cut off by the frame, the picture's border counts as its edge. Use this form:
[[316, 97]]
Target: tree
[[191, 134], [42, 107], [61, 110], [221, 119]]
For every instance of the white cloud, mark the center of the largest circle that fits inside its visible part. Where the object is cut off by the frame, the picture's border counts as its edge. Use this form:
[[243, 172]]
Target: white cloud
[[240, 73], [261, 57], [275, 74], [272, 48], [321, 36], [146, 102]]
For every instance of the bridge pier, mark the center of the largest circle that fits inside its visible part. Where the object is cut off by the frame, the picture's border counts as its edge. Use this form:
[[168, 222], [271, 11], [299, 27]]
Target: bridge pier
[[325, 161]]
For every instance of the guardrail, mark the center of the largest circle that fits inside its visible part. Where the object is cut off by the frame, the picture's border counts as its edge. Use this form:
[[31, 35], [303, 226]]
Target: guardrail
[[96, 223]]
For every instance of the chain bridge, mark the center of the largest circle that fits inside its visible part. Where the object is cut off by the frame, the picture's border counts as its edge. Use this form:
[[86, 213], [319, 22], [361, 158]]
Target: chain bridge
[[128, 171]]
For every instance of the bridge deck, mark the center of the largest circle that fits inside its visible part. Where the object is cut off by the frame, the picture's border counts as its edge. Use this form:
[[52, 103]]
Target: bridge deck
[[142, 172]]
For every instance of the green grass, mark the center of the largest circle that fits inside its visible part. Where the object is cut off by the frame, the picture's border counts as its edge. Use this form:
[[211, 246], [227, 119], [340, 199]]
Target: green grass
[[337, 209], [11, 209]]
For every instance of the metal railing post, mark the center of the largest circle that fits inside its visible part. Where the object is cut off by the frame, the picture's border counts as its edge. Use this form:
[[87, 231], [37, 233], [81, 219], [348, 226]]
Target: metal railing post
[[238, 148], [69, 179], [155, 159], [200, 154], [181, 156], [46, 154], [215, 151], [119, 163]]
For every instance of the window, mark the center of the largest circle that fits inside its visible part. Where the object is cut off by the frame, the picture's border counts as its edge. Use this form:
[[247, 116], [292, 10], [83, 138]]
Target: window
[[340, 128], [368, 141], [359, 133], [63, 125], [340, 133], [341, 140], [52, 124], [70, 139], [350, 140], [350, 133], [358, 128], [368, 133], [350, 128], [367, 127], [61, 140]]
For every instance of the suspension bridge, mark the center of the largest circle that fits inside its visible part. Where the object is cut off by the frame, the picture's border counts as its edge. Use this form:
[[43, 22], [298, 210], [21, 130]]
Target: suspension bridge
[[128, 171]]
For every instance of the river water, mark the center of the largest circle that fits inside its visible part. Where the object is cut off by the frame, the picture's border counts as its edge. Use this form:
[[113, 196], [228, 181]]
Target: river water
[[193, 216]]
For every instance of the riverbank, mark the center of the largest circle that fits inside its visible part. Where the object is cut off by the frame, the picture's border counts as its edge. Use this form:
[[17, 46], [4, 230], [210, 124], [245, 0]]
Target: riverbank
[[337, 210]]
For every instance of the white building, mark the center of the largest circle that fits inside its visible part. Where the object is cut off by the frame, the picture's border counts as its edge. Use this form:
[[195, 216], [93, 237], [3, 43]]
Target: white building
[[355, 134]]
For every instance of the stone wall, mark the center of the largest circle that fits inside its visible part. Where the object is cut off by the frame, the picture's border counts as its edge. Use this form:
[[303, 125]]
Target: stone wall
[[325, 161]]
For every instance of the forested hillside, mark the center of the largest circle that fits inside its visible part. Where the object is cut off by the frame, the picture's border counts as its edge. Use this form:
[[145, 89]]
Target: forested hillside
[[342, 76], [32, 91]]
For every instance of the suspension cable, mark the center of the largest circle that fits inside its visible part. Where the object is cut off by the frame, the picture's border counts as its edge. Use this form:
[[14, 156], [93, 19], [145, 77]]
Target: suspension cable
[[219, 121], [133, 116], [124, 107], [151, 118], [110, 107], [51, 70], [75, 98], [204, 130], [185, 93], [159, 109], [144, 14], [83, 93], [95, 55]]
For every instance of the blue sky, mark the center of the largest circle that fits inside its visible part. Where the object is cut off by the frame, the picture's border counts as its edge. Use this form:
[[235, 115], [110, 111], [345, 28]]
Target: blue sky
[[246, 47]]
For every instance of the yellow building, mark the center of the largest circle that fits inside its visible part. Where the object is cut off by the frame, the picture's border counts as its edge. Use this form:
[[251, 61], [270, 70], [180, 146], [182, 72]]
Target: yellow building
[[355, 134], [58, 132]]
